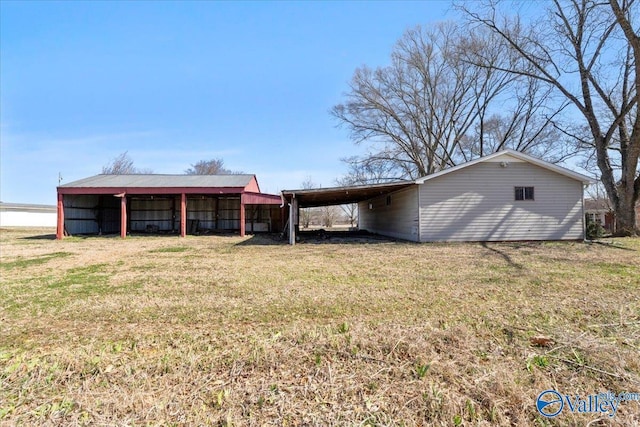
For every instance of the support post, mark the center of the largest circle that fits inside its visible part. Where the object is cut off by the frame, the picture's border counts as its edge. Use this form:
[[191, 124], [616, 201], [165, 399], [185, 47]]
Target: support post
[[173, 214], [216, 200], [183, 215], [242, 215], [123, 216], [60, 224], [293, 219]]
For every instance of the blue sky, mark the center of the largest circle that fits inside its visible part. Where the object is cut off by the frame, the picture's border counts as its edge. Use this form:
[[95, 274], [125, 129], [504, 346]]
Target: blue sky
[[177, 82]]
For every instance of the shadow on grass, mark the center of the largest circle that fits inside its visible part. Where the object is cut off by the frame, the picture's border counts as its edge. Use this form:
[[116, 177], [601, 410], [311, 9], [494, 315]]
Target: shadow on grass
[[267, 239], [73, 237], [611, 245], [323, 237], [319, 237], [40, 237], [503, 255]]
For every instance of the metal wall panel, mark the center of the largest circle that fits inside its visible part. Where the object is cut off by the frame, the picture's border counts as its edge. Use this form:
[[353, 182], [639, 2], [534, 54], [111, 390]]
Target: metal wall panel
[[229, 213], [100, 214], [203, 210], [151, 214], [81, 214], [258, 218]]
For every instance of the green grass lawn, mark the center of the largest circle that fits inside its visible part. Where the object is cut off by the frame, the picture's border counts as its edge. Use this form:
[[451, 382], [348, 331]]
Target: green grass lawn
[[216, 330]]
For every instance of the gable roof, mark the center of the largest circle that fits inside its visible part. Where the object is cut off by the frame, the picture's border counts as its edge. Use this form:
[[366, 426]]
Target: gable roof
[[161, 181], [518, 155]]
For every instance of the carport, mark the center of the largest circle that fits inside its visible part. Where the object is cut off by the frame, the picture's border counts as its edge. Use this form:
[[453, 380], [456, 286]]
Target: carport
[[166, 204], [316, 197]]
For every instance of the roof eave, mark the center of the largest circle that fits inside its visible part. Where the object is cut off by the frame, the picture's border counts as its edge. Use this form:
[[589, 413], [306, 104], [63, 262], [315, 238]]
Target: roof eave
[[345, 188], [524, 157], [150, 190]]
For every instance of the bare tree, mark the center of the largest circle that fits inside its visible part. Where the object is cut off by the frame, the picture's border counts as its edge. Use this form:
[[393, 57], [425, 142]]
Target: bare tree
[[123, 165], [527, 125], [350, 209], [588, 53], [329, 215], [418, 115], [307, 213], [308, 183], [370, 169], [210, 167], [305, 217], [596, 192], [351, 212]]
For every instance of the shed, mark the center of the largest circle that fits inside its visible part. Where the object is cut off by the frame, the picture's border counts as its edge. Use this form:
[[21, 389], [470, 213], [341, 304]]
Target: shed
[[152, 203], [504, 196]]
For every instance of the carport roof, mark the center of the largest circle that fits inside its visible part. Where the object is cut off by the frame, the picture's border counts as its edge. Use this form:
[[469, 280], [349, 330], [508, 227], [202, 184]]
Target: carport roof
[[342, 195]]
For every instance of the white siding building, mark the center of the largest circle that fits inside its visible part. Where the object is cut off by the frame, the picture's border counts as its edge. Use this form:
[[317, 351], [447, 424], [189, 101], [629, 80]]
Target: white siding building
[[503, 196], [500, 197]]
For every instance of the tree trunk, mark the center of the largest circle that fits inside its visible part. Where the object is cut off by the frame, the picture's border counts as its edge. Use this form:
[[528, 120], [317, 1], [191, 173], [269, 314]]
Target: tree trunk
[[625, 209], [625, 216], [622, 194], [628, 188]]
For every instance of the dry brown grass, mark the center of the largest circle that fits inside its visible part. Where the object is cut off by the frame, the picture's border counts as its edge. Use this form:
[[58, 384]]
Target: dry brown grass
[[238, 331]]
